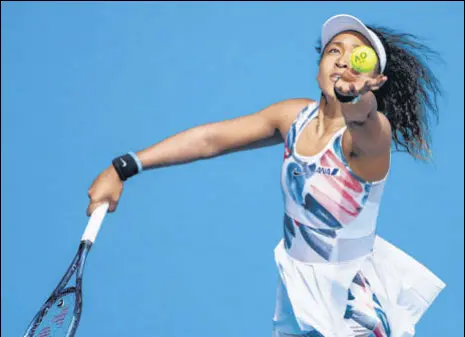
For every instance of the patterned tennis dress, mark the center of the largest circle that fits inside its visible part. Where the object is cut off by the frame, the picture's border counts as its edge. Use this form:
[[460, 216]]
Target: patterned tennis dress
[[337, 277]]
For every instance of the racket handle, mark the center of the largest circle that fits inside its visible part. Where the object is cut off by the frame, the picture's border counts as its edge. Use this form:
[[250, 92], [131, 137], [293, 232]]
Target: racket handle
[[95, 221]]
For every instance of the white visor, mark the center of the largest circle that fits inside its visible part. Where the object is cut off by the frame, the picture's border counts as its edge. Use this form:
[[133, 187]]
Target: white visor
[[341, 23]]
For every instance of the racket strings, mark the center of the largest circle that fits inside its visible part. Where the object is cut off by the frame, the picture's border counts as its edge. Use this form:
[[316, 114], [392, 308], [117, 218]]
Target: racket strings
[[58, 319]]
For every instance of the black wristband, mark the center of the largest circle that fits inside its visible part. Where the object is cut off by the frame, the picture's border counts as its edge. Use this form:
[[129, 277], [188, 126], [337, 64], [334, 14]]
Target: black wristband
[[125, 166]]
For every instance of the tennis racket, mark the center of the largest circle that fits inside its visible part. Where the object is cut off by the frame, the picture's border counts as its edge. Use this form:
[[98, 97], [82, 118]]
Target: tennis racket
[[59, 316]]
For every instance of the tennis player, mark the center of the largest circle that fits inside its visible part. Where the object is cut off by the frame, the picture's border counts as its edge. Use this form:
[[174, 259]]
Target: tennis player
[[337, 277]]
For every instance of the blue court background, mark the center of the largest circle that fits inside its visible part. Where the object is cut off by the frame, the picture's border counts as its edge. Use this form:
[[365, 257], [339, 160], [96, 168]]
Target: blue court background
[[190, 250]]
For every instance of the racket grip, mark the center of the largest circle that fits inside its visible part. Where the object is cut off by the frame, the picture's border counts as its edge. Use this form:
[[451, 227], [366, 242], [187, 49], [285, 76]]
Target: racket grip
[[95, 221]]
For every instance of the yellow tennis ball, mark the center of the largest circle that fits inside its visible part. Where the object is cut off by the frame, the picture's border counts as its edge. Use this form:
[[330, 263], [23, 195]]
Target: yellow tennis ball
[[363, 59]]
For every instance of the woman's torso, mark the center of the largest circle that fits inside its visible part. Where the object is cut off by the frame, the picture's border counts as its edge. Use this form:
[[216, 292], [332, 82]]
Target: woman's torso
[[330, 212]]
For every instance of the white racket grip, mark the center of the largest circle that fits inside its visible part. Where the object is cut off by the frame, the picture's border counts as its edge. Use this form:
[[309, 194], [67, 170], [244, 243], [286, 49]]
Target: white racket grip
[[95, 221]]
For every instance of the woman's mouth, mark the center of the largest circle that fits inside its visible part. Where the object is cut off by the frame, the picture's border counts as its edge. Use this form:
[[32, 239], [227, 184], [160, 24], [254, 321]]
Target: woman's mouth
[[335, 77]]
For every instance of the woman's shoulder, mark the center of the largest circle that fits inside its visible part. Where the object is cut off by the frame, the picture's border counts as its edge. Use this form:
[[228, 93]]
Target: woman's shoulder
[[290, 110], [296, 103], [293, 106]]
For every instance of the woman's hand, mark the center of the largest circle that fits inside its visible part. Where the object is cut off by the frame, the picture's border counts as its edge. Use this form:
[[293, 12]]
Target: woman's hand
[[107, 187], [355, 84]]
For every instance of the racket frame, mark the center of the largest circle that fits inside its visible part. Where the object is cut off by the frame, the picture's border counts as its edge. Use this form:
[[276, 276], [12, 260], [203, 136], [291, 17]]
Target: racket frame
[[76, 267]]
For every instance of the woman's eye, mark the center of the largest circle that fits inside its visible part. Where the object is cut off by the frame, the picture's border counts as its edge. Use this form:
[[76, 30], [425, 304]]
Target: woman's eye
[[333, 50]]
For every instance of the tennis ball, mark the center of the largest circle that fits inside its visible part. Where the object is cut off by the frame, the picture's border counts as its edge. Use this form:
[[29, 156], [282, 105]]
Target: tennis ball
[[363, 59]]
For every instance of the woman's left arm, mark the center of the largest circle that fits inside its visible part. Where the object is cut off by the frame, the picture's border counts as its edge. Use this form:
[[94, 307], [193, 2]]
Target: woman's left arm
[[370, 130]]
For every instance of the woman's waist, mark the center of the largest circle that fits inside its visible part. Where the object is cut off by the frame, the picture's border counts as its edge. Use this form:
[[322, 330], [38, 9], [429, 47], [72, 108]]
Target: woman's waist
[[308, 243], [320, 219]]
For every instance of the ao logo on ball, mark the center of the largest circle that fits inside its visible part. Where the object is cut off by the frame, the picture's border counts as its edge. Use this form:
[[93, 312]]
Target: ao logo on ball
[[363, 59]]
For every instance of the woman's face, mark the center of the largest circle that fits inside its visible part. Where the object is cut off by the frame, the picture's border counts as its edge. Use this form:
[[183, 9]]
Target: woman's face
[[335, 60]]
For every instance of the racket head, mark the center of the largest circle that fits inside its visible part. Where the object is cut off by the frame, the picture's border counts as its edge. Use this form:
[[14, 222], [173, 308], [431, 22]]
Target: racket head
[[59, 316]]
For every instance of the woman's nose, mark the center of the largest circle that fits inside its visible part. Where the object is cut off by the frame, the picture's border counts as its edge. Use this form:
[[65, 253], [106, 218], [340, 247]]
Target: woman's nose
[[342, 63], [344, 60]]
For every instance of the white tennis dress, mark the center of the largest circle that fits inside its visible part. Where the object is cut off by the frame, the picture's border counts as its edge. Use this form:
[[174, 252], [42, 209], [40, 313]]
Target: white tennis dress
[[337, 277]]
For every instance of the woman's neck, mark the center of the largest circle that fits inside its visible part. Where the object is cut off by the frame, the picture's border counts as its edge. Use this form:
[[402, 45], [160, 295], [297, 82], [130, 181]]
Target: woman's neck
[[329, 117]]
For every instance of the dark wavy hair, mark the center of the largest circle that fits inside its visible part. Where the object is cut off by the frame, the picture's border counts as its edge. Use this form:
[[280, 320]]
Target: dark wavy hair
[[409, 98]]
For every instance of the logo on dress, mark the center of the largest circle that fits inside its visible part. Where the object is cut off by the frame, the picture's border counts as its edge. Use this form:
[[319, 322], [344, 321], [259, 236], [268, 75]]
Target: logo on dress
[[317, 169], [327, 171]]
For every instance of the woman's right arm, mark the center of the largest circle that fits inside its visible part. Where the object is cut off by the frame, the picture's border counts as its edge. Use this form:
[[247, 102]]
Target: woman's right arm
[[201, 142]]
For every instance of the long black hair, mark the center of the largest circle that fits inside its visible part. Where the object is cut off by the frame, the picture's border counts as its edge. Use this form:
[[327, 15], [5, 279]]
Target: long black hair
[[409, 98]]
